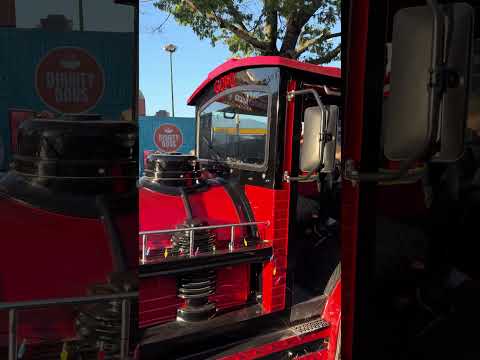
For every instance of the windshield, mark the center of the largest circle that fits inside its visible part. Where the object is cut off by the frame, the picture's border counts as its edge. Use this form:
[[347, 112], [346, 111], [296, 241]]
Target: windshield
[[233, 128]]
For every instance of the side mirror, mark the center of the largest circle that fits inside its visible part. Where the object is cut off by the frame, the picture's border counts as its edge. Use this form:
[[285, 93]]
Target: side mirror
[[229, 116], [426, 112], [319, 139]]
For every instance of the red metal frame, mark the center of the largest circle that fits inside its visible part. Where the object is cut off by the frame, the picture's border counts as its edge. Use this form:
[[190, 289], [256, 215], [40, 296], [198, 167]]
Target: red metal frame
[[257, 61], [351, 149], [332, 314]]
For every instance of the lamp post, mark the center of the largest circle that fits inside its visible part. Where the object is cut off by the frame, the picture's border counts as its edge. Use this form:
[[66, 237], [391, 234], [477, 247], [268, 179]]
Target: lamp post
[[170, 48], [80, 14]]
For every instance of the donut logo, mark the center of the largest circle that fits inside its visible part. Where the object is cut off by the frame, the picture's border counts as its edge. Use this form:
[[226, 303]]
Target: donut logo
[[168, 138], [69, 80]]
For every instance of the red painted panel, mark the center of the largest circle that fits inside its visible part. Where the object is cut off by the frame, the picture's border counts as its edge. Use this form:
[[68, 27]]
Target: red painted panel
[[272, 205], [216, 207], [158, 301], [159, 212], [233, 285], [333, 314], [55, 256], [352, 142], [158, 296]]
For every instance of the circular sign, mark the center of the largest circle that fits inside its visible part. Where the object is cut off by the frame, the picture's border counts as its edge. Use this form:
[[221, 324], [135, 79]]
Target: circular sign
[[69, 80], [168, 138]]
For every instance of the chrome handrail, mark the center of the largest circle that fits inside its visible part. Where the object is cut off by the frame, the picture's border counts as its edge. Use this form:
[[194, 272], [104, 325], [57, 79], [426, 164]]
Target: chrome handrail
[[191, 231], [13, 307]]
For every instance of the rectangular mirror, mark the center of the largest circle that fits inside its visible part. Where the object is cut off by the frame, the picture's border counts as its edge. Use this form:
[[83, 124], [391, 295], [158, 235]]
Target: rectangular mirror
[[319, 139], [407, 116]]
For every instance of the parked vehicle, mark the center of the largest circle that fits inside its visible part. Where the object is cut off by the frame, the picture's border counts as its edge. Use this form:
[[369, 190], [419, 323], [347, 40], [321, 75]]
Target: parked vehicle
[[241, 239]]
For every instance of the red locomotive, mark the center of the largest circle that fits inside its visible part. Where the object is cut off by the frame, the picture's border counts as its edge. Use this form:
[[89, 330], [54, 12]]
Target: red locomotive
[[237, 234]]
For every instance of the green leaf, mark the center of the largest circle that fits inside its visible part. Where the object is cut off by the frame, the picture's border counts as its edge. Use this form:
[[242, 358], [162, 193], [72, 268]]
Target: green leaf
[[241, 25]]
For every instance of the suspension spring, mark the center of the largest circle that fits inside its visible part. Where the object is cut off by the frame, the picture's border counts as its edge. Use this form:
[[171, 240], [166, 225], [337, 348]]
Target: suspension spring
[[195, 287], [99, 326]]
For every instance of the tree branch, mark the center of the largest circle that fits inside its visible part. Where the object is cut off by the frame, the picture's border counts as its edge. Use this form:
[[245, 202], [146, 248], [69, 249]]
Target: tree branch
[[294, 27], [237, 29], [306, 44], [271, 24], [159, 27], [235, 14], [257, 23], [327, 58]]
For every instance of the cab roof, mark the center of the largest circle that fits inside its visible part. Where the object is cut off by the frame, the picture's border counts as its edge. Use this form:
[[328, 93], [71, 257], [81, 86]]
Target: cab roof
[[262, 61]]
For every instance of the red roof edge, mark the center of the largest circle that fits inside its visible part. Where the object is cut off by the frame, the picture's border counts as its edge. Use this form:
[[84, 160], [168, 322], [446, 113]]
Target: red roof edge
[[258, 61]]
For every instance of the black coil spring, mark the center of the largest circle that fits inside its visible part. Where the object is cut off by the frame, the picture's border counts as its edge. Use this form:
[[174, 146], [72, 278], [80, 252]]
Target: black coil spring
[[195, 287], [99, 325], [203, 242]]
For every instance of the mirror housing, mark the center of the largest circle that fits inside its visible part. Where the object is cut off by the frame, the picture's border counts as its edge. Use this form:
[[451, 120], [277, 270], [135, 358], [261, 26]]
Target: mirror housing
[[230, 117], [319, 139], [427, 108]]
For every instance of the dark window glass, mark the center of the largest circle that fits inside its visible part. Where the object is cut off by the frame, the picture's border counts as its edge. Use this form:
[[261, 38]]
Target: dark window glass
[[233, 128]]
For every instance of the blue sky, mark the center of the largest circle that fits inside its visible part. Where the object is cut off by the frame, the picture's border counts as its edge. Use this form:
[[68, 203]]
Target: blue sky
[[192, 61]]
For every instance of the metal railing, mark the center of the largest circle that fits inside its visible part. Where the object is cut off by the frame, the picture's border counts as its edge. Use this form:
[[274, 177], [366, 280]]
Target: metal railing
[[191, 231], [14, 307]]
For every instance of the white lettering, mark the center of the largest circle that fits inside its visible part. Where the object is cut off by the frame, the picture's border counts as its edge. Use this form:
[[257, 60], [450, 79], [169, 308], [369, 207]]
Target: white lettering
[[50, 78], [70, 87], [169, 140]]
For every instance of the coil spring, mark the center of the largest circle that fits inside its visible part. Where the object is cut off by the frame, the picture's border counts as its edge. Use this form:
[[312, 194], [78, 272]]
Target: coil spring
[[197, 286], [204, 240], [99, 326]]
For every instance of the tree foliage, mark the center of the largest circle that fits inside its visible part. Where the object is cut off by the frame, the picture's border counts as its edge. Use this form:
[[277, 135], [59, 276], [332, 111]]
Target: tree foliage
[[297, 29]]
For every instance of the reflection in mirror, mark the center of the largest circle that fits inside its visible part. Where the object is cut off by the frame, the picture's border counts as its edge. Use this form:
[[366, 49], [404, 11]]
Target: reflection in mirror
[[228, 115], [233, 128], [413, 133], [318, 150]]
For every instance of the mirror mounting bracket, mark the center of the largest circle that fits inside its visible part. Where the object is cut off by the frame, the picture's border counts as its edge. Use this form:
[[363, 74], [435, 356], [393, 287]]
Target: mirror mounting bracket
[[291, 95], [351, 173], [325, 136], [306, 178]]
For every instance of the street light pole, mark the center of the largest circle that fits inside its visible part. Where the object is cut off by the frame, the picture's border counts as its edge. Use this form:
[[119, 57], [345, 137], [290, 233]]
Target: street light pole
[[80, 14], [170, 48], [171, 85]]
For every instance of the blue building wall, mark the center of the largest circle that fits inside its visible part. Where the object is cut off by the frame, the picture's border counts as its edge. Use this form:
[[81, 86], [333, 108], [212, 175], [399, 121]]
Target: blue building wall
[[148, 125], [21, 51]]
